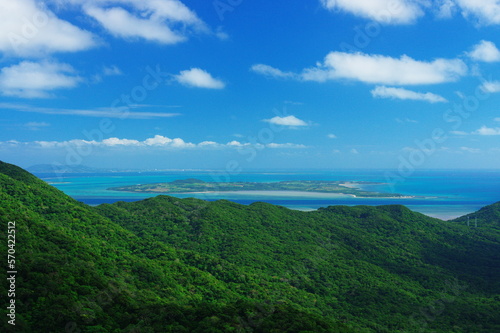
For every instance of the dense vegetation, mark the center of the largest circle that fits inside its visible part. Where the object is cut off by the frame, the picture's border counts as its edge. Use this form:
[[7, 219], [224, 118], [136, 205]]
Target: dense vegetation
[[185, 265], [196, 185]]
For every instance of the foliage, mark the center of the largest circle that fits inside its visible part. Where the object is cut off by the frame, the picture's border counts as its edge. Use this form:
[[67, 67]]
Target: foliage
[[185, 265]]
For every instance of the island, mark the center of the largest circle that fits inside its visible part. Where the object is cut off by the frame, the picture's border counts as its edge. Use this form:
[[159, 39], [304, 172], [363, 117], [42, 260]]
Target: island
[[199, 186]]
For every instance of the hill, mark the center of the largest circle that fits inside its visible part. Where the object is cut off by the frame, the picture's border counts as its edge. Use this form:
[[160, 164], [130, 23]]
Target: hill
[[185, 265], [488, 217]]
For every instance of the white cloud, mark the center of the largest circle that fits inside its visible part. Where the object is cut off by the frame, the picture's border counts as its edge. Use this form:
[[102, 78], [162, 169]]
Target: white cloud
[[272, 72], [487, 131], [196, 77], [179, 143], [285, 145], [491, 86], [106, 112], [286, 121], [485, 51], [459, 133], [400, 93], [34, 126], [496, 119], [354, 151], [234, 143], [120, 23], [470, 150], [485, 11], [208, 144], [28, 28], [221, 34], [381, 69], [160, 21], [158, 141], [406, 120], [446, 8], [36, 79], [331, 136], [383, 11], [375, 69], [120, 142], [112, 71]]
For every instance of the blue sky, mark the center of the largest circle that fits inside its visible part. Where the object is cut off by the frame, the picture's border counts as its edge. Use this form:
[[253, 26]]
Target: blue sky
[[238, 84]]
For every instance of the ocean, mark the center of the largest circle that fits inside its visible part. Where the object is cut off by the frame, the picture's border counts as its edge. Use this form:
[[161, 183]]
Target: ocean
[[444, 194]]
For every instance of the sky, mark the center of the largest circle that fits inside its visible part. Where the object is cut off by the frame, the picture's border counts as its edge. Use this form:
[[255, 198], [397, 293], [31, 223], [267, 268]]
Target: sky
[[239, 85]]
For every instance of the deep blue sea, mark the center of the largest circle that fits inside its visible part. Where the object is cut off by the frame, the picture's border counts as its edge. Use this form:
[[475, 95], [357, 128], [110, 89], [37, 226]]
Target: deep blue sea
[[444, 194]]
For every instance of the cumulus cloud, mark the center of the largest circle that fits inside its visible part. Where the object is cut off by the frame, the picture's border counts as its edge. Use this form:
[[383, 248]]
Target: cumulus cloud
[[36, 79], [383, 11], [488, 131], [331, 136], [164, 22], [484, 11], [485, 51], [208, 144], [196, 77], [158, 141], [401, 93], [121, 23], [291, 121], [28, 29], [381, 69], [375, 69], [445, 8], [120, 142], [490, 86]]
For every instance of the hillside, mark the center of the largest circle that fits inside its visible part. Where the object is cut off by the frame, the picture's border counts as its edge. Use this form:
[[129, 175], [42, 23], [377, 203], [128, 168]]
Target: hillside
[[486, 217], [185, 265]]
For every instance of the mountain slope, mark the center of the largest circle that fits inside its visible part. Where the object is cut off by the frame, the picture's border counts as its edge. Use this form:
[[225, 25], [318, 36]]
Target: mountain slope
[[384, 262], [185, 265], [486, 217], [80, 272]]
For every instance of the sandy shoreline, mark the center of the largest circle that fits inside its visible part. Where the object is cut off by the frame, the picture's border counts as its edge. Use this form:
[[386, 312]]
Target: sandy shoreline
[[293, 194]]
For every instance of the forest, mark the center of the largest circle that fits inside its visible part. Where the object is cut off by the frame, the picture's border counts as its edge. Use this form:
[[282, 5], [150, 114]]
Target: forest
[[166, 264]]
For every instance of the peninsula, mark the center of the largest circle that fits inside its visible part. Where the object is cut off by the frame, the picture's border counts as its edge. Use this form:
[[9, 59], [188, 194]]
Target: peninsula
[[199, 186]]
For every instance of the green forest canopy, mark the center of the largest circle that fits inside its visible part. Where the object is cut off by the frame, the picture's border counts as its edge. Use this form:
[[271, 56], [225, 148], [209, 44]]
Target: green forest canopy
[[185, 265]]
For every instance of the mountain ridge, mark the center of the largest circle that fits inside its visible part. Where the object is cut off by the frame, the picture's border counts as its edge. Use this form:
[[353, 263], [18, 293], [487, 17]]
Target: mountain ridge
[[187, 265]]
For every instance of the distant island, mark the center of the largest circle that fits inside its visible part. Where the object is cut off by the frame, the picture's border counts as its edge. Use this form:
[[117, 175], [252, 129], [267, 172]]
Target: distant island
[[199, 186]]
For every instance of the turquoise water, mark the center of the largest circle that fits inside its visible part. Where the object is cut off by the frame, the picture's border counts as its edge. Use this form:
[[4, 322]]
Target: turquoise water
[[444, 194]]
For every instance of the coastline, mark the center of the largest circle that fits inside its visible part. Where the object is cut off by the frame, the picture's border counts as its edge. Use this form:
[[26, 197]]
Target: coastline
[[293, 194]]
